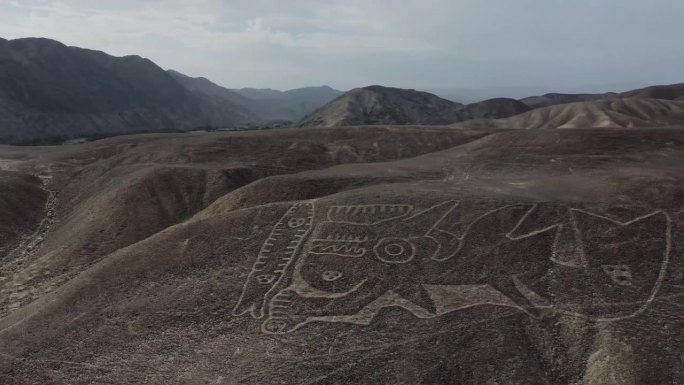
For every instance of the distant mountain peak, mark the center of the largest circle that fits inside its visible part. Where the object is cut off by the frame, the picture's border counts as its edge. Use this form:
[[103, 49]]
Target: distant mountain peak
[[384, 105], [378, 104]]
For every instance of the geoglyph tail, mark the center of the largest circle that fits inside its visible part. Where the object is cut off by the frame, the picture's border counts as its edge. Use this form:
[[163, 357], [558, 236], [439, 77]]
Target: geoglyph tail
[[275, 256]]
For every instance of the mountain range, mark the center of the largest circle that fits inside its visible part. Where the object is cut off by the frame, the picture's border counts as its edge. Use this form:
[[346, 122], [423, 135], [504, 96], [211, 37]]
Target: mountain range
[[49, 90], [387, 105], [654, 106]]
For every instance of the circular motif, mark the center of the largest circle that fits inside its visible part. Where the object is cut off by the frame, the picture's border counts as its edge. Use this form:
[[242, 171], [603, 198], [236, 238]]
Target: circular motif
[[274, 326], [394, 250], [296, 222], [331, 275]]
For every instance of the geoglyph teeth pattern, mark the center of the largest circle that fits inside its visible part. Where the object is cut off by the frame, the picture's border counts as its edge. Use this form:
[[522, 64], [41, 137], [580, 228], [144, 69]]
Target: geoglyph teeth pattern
[[274, 258], [369, 214]]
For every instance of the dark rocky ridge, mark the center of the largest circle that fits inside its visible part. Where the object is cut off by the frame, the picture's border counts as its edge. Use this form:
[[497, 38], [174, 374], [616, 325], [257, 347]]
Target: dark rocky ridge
[[383, 105], [493, 109], [48, 89]]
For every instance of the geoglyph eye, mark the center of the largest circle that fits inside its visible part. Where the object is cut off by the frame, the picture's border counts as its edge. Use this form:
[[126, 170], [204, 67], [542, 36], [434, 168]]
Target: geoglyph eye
[[331, 275], [394, 250]]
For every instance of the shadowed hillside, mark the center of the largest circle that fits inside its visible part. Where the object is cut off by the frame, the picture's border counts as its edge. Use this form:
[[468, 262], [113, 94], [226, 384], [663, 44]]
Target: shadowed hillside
[[22, 200], [493, 109], [50, 90]]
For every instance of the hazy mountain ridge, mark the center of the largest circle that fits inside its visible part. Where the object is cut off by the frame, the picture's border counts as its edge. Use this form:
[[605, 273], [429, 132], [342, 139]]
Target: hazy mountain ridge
[[302, 94], [265, 104], [50, 90]]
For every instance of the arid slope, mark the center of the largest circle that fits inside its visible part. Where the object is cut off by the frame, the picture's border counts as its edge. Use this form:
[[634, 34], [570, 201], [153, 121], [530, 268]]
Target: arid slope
[[383, 105], [632, 112], [352, 255], [386, 105]]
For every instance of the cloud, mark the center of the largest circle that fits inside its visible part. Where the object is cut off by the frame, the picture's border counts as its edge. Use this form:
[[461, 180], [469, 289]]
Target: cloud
[[203, 25], [413, 43]]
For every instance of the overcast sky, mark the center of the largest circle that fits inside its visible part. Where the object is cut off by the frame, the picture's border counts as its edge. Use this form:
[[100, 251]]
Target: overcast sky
[[564, 45]]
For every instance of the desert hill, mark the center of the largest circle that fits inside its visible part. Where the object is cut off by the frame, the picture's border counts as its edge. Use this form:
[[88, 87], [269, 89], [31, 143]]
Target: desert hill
[[631, 112], [666, 92], [364, 255], [383, 105], [387, 105], [493, 109], [49, 90]]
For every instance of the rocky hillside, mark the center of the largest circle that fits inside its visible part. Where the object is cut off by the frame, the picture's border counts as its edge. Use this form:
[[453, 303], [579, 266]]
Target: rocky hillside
[[356, 255], [493, 109], [615, 113], [666, 92], [50, 90], [386, 105]]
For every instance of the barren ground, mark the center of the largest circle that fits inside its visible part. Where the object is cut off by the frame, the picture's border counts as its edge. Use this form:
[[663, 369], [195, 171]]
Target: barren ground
[[399, 255]]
